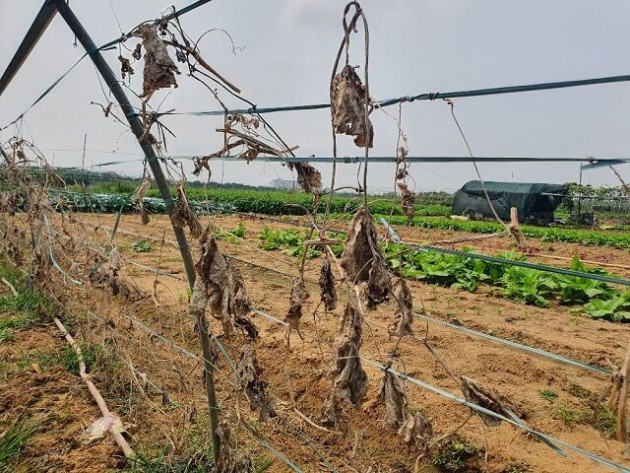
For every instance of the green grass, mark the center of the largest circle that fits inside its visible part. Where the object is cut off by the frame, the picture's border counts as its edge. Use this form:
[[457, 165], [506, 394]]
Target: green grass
[[65, 356], [548, 395], [6, 335], [601, 418], [18, 313], [456, 455], [141, 246], [567, 415], [13, 439]]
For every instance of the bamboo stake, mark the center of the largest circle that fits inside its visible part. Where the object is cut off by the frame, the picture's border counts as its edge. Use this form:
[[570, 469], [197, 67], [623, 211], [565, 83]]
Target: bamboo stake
[[118, 437]]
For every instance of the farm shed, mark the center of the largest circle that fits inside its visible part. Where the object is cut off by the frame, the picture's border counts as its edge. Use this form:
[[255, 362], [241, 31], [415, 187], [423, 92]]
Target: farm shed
[[533, 201]]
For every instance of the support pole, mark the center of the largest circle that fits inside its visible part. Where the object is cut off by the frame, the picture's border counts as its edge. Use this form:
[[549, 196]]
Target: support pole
[[136, 126], [34, 33]]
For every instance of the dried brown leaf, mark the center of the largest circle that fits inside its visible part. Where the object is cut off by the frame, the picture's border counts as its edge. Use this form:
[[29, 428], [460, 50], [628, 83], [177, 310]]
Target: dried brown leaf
[[328, 292], [309, 178], [299, 295], [348, 105], [416, 430], [391, 393], [378, 287], [484, 397], [350, 380], [403, 317], [159, 68], [408, 200], [212, 284], [361, 247], [256, 388], [183, 214]]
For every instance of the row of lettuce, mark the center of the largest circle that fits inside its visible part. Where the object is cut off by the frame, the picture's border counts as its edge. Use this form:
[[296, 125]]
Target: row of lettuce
[[591, 297]]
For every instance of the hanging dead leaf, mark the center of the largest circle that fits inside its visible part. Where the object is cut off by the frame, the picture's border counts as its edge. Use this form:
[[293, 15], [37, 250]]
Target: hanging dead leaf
[[116, 261], [137, 52], [183, 214], [408, 200], [299, 295], [309, 178], [391, 393], [125, 67], [348, 106], [416, 431], [212, 286], [328, 292], [141, 191], [332, 411], [240, 304], [252, 382], [350, 380], [361, 247], [379, 283], [159, 68], [403, 316]]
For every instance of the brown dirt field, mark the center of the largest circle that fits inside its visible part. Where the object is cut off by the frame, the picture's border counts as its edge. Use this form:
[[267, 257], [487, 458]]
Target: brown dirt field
[[57, 400], [299, 379]]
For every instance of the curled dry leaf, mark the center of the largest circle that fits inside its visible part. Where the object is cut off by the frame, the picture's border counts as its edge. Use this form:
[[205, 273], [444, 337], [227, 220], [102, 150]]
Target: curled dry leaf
[[348, 106], [212, 286], [403, 317], [378, 287], [391, 393], [361, 247], [137, 52], [328, 292], [125, 67], [362, 259], [240, 304], [416, 430], [252, 382], [183, 214], [221, 286], [350, 380], [159, 68], [487, 398], [138, 195], [332, 411], [116, 261], [408, 200], [141, 191], [299, 295], [309, 178]]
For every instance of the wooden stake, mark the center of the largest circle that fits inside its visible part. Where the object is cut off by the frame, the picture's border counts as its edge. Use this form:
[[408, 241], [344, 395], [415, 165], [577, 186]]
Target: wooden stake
[[515, 228]]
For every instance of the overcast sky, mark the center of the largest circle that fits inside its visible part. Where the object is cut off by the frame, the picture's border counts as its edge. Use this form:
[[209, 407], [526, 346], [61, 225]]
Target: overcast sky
[[286, 52]]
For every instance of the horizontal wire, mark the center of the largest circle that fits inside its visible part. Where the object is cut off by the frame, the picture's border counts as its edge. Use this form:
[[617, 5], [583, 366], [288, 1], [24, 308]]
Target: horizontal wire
[[510, 343], [478, 408], [424, 96]]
